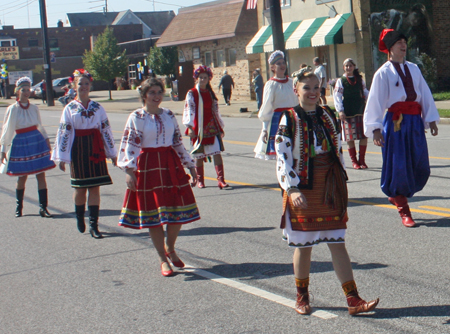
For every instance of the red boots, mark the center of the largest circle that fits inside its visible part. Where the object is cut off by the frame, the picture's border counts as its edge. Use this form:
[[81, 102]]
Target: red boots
[[362, 156], [221, 177], [401, 202], [361, 162], [352, 152], [200, 177]]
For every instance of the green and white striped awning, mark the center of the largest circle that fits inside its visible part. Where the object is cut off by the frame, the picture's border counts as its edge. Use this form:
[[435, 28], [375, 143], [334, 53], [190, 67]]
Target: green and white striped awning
[[307, 33]]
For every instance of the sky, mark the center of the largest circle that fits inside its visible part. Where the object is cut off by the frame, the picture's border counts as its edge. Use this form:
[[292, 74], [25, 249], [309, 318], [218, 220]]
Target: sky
[[25, 13]]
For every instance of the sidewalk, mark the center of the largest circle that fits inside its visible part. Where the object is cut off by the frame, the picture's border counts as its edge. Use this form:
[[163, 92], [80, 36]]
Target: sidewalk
[[125, 101]]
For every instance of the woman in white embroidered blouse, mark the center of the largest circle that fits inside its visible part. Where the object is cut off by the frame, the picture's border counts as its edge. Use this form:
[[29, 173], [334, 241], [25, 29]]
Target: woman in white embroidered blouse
[[158, 191], [25, 146], [85, 140], [315, 192]]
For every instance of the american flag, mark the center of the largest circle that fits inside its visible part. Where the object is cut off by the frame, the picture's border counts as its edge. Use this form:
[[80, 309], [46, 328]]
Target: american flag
[[251, 4]]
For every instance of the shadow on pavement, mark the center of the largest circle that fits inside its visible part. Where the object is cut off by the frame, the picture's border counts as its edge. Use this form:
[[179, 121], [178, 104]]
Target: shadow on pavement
[[222, 230], [252, 271]]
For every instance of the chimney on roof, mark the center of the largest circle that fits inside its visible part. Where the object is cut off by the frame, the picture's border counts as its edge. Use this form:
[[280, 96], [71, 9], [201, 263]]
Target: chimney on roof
[[60, 24]]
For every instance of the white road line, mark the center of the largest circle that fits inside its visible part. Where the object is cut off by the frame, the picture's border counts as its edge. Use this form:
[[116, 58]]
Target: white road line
[[254, 291]]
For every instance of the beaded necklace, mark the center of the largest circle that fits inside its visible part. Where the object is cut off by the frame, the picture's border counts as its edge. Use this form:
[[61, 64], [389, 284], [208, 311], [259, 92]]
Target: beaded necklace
[[351, 83], [22, 106]]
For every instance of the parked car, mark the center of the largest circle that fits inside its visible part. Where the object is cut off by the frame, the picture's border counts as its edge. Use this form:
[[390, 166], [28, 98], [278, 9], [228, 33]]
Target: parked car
[[58, 85], [34, 89], [58, 88]]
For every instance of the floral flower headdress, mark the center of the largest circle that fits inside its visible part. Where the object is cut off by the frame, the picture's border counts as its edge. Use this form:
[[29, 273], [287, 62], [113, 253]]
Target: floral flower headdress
[[79, 73], [203, 69]]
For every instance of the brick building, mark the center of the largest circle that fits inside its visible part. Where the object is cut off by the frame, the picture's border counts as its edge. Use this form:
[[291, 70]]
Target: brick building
[[68, 44], [215, 34]]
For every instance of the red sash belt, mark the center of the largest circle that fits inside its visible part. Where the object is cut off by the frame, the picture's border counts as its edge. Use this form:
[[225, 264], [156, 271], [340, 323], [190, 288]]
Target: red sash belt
[[280, 109], [98, 149], [407, 108], [177, 175], [30, 128]]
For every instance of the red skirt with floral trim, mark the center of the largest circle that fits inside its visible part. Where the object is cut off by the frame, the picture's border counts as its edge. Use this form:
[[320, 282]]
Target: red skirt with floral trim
[[163, 196]]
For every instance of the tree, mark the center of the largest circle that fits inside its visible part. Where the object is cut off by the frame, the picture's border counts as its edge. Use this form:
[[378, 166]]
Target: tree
[[106, 61], [162, 60]]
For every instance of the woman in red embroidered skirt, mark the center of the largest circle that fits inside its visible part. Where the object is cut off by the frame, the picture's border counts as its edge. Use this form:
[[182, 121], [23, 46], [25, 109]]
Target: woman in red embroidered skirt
[[310, 171], [204, 126], [25, 146], [350, 94], [153, 156]]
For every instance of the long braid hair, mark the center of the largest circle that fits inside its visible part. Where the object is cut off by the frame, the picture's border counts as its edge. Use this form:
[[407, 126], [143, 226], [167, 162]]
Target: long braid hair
[[208, 86]]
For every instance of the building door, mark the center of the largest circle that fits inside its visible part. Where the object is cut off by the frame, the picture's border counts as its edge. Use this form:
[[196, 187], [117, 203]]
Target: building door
[[185, 81]]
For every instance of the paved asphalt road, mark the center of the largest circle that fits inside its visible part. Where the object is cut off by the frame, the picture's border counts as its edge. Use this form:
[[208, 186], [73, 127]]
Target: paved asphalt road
[[55, 280]]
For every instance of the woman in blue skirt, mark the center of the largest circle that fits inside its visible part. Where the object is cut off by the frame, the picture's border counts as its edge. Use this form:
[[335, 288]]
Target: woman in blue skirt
[[25, 147]]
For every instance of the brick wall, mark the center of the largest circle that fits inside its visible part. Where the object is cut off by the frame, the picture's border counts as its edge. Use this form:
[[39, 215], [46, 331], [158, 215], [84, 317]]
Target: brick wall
[[72, 43], [241, 72]]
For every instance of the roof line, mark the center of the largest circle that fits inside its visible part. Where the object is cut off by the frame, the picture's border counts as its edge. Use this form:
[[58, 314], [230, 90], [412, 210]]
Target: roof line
[[195, 40]]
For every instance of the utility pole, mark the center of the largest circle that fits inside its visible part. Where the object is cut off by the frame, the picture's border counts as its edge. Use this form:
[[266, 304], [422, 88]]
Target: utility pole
[[276, 21], [46, 54]]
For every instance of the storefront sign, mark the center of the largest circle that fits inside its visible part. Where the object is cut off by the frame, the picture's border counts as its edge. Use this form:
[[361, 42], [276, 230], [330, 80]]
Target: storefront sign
[[9, 52], [14, 76]]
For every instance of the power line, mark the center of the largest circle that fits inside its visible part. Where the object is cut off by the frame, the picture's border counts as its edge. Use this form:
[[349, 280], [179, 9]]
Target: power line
[[20, 4], [165, 3], [20, 7]]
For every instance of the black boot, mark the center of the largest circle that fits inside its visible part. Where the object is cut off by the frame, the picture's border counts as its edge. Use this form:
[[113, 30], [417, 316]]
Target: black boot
[[79, 210], [19, 201], [93, 222], [43, 204]]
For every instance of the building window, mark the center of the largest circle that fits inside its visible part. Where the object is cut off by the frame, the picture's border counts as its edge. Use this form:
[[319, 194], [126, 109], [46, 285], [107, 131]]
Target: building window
[[5, 43], [231, 57], [283, 3], [220, 58], [208, 59], [181, 57], [196, 52], [53, 42], [33, 42]]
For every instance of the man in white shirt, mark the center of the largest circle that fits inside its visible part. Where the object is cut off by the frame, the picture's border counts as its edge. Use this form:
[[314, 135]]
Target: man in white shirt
[[321, 74]]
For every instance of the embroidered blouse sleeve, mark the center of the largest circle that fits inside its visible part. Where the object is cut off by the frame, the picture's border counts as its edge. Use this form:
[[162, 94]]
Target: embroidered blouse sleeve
[[189, 110], [429, 110], [9, 128], [39, 125], [130, 145], [178, 145], [215, 108], [266, 112], [376, 103], [366, 91], [64, 137], [286, 175], [338, 93], [107, 135]]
